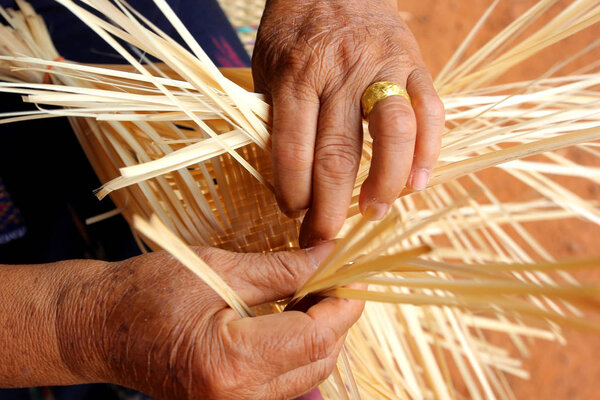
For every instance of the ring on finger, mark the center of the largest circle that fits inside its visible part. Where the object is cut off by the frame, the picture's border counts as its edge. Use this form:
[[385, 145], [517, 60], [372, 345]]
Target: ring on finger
[[378, 91]]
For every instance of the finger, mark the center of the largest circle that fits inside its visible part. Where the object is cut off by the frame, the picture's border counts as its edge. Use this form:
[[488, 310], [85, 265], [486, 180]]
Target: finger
[[261, 278], [332, 305], [430, 114], [392, 125], [337, 154], [295, 115], [302, 380], [283, 342]]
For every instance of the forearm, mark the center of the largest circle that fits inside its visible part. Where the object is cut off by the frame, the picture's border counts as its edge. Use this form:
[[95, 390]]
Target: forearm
[[38, 314]]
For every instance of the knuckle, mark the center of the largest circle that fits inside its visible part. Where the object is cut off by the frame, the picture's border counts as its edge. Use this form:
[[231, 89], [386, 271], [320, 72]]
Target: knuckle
[[401, 115], [427, 98], [401, 128], [337, 159], [291, 155], [433, 107], [289, 87], [321, 343], [420, 77], [352, 53], [296, 59], [395, 58], [285, 272], [277, 273]]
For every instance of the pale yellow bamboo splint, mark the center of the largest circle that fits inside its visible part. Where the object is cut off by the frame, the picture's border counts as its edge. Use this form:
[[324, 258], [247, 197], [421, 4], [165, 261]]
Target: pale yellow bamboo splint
[[185, 146]]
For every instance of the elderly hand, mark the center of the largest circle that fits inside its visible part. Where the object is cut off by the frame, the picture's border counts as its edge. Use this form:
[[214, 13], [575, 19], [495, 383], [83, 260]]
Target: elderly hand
[[163, 332], [150, 324], [314, 59]]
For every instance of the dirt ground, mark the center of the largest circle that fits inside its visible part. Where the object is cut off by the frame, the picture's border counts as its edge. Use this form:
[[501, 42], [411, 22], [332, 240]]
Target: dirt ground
[[557, 372]]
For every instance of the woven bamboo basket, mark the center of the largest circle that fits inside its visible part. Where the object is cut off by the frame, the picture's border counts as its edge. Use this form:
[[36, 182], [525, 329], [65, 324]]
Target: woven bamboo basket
[[182, 145], [215, 203]]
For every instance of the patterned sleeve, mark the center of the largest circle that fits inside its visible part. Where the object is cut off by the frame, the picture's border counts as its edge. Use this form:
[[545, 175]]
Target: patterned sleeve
[[11, 222]]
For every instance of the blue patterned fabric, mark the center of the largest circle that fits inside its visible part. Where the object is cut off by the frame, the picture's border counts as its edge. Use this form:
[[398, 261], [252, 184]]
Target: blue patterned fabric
[[48, 176], [204, 19], [11, 222]]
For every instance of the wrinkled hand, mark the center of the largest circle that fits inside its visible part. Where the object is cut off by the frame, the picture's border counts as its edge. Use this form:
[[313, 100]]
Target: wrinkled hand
[[314, 59], [154, 326]]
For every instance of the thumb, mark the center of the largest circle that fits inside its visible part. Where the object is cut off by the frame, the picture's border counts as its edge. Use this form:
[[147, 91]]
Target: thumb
[[261, 278]]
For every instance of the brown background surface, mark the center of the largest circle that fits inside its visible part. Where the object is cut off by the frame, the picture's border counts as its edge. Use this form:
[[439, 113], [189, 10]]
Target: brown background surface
[[557, 372]]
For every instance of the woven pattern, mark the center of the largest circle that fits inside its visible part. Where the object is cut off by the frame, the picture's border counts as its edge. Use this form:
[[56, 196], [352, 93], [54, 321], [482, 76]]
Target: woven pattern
[[175, 144], [245, 17], [214, 203]]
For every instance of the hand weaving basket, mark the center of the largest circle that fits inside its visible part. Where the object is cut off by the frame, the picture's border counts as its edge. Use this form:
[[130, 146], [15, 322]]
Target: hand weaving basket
[[182, 142]]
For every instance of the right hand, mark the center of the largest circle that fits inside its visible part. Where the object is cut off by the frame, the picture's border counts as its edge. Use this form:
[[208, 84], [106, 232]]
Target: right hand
[[150, 324], [313, 60]]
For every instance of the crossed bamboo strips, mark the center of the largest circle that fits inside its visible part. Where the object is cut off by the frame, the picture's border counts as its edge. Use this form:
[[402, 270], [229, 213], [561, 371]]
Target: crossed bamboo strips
[[184, 154]]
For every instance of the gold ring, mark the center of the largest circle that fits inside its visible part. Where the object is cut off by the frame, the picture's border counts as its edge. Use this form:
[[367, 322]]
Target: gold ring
[[378, 91]]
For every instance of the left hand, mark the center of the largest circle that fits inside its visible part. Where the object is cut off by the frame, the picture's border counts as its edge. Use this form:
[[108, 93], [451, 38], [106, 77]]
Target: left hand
[[150, 324], [314, 59]]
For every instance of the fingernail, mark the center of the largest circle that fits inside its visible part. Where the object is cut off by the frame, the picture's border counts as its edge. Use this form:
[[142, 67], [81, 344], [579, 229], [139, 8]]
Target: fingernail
[[420, 178], [377, 211]]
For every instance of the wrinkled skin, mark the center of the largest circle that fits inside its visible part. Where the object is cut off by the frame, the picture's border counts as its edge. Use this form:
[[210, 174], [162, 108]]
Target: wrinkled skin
[[314, 59], [150, 324]]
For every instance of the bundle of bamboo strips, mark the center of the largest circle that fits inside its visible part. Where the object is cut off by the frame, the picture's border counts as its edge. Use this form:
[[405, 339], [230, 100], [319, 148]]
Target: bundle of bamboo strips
[[182, 145]]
